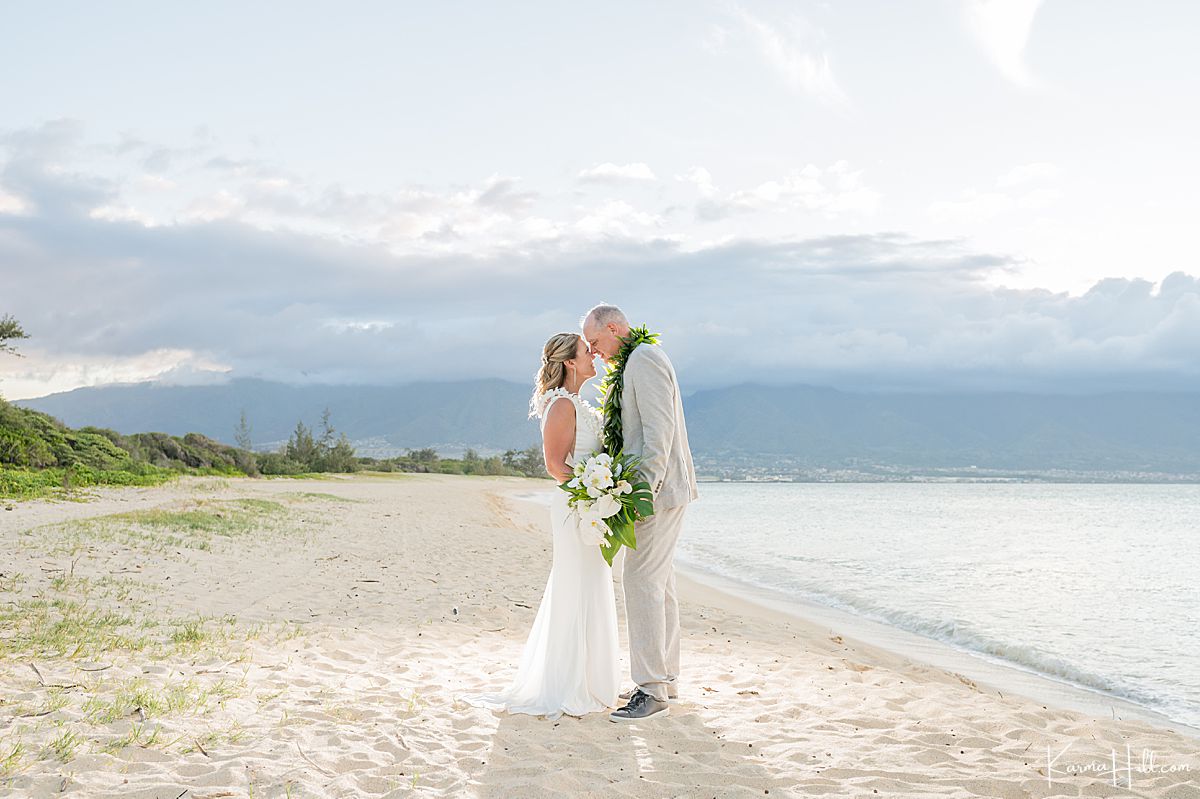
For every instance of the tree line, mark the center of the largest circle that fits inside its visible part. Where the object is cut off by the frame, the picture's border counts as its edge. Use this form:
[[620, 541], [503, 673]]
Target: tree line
[[39, 454], [513, 462], [328, 451]]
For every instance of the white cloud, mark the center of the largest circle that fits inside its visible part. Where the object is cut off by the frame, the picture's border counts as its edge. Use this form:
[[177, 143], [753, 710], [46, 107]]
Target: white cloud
[[221, 205], [1029, 187], [615, 218], [977, 206], [11, 203], [790, 52], [502, 192], [284, 280], [366, 325], [701, 178], [115, 212], [44, 371], [1002, 29], [834, 190], [1028, 173], [155, 183], [851, 310], [273, 184], [615, 173]]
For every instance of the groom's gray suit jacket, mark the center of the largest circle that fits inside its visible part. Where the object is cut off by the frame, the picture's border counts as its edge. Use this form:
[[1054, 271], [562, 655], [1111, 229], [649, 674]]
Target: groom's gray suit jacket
[[653, 427]]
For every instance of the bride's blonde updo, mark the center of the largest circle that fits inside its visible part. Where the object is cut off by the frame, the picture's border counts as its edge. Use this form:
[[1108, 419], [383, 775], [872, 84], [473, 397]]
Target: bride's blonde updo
[[561, 347]]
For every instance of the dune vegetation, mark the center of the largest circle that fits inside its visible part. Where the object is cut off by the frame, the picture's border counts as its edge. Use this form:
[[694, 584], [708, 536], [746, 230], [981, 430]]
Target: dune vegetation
[[42, 456]]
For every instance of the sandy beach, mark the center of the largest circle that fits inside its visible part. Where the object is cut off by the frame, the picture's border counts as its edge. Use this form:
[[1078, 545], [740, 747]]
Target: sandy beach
[[291, 638]]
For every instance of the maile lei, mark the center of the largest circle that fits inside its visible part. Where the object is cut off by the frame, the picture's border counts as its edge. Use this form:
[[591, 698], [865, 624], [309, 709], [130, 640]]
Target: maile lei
[[613, 385]]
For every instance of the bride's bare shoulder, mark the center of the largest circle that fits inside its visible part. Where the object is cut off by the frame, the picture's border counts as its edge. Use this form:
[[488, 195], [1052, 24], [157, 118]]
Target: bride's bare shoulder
[[552, 409], [556, 409]]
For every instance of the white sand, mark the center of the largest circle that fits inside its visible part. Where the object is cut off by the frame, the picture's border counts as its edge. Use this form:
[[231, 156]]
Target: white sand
[[422, 588]]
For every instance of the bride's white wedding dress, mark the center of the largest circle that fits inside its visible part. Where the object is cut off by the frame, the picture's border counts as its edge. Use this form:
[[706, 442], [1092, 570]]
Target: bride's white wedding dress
[[570, 663]]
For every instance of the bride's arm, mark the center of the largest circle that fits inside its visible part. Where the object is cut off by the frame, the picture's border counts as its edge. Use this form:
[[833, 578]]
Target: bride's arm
[[558, 440]]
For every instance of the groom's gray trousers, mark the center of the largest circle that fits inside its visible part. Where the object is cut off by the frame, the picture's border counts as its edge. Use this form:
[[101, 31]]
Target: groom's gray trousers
[[651, 605]]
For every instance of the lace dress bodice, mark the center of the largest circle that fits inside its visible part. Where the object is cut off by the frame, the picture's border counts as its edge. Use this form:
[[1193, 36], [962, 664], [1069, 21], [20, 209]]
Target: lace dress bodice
[[587, 422]]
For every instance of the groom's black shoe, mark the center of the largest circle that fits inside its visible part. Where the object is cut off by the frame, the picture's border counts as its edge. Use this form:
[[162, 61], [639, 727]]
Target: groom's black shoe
[[672, 693], [641, 706]]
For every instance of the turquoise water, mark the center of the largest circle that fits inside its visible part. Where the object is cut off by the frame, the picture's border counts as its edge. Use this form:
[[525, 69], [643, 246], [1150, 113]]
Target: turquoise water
[[1096, 585]]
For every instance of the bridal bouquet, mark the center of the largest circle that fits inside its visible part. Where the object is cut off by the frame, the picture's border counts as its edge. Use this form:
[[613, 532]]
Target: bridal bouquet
[[609, 495]]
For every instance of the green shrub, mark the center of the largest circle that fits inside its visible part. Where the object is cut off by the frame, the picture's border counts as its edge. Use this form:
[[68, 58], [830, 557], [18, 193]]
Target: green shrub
[[40, 455], [279, 463]]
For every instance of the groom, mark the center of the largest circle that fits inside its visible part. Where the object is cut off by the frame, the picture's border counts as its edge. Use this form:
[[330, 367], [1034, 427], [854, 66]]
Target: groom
[[652, 422]]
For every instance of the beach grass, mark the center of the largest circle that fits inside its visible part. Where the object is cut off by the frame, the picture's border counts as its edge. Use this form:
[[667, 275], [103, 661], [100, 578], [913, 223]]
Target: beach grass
[[233, 734], [66, 628], [99, 662], [141, 698], [11, 757], [63, 747], [62, 614], [197, 524], [220, 517], [303, 476], [387, 475], [70, 643], [317, 495]]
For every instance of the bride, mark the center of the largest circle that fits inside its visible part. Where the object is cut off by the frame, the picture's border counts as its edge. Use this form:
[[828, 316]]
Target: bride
[[570, 660]]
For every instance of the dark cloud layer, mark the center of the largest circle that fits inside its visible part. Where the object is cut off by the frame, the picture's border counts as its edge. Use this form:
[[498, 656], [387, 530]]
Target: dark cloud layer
[[862, 311]]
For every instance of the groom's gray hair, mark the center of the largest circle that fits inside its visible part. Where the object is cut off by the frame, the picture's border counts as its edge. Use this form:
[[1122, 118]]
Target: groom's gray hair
[[603, 314]]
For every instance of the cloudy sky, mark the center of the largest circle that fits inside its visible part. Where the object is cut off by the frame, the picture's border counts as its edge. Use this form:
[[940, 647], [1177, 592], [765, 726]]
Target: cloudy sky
[[871, 195]]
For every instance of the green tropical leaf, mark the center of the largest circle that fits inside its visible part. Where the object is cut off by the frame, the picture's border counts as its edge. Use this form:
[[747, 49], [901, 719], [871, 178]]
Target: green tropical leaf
[[609, 551], [622, 530]]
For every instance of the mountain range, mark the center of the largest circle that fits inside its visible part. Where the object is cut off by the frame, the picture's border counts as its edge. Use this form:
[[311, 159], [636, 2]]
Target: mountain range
[[807, 426]]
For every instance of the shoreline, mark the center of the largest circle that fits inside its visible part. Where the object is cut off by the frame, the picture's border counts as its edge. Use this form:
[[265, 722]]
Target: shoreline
[[696, 585], [1000, 676]]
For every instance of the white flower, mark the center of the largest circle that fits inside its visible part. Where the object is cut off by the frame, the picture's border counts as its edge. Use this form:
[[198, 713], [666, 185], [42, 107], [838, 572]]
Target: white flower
[[623, 487], [584, 507], [598, 468], [598, 462], [573, 483], [597, 481], [607, 505], [593, 530]]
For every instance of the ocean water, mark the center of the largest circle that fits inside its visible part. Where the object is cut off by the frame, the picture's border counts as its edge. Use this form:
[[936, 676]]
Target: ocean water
[[1094, 585]]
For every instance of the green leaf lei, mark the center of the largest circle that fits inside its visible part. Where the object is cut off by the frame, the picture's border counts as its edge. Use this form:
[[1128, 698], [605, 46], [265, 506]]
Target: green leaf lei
[[614, 384]]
